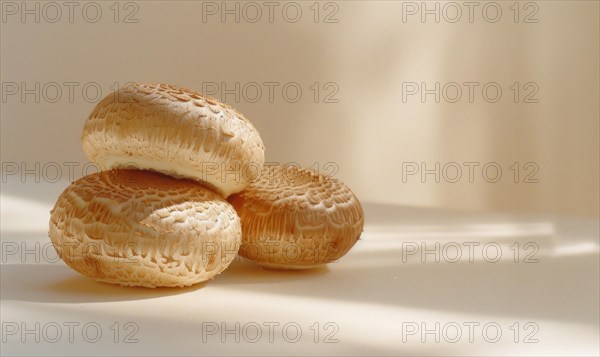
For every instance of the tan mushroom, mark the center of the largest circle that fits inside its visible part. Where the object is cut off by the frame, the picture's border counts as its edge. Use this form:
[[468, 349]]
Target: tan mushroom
[[140, 228], [175, 131], [294, 218]]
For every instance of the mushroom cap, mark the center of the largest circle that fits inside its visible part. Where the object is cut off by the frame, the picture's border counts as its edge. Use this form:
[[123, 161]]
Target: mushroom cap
[[294, 218], [175, 131], [140, 228]]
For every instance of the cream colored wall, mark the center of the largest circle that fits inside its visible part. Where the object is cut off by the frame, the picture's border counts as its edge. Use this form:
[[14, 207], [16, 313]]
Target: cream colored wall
[[370, 54]]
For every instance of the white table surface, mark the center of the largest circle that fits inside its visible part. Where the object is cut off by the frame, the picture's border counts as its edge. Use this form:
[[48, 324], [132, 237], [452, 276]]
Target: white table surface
[[368, 303]]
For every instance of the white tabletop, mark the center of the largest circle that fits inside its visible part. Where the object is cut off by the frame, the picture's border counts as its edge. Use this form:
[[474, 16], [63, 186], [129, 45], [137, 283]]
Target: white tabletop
[[388, 296]]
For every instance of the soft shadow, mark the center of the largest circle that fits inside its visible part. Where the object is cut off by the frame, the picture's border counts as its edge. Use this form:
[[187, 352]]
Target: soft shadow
[[559, 288], [57, 283], [243, 271], [379, 215]]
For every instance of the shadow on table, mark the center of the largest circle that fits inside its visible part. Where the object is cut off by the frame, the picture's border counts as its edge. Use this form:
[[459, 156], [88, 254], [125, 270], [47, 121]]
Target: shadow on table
[[558, 286], [57, 283]]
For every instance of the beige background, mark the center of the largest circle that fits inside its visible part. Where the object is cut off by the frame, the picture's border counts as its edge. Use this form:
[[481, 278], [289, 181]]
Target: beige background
[[369, 53]]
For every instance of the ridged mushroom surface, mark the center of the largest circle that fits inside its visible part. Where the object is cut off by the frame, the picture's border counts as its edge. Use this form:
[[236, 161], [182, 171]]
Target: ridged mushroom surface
[[294, 218], [140, 228], [175, 131]]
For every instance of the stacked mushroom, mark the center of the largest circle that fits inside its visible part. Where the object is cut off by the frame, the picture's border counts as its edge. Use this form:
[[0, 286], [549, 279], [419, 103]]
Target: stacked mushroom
[[157, 214]]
